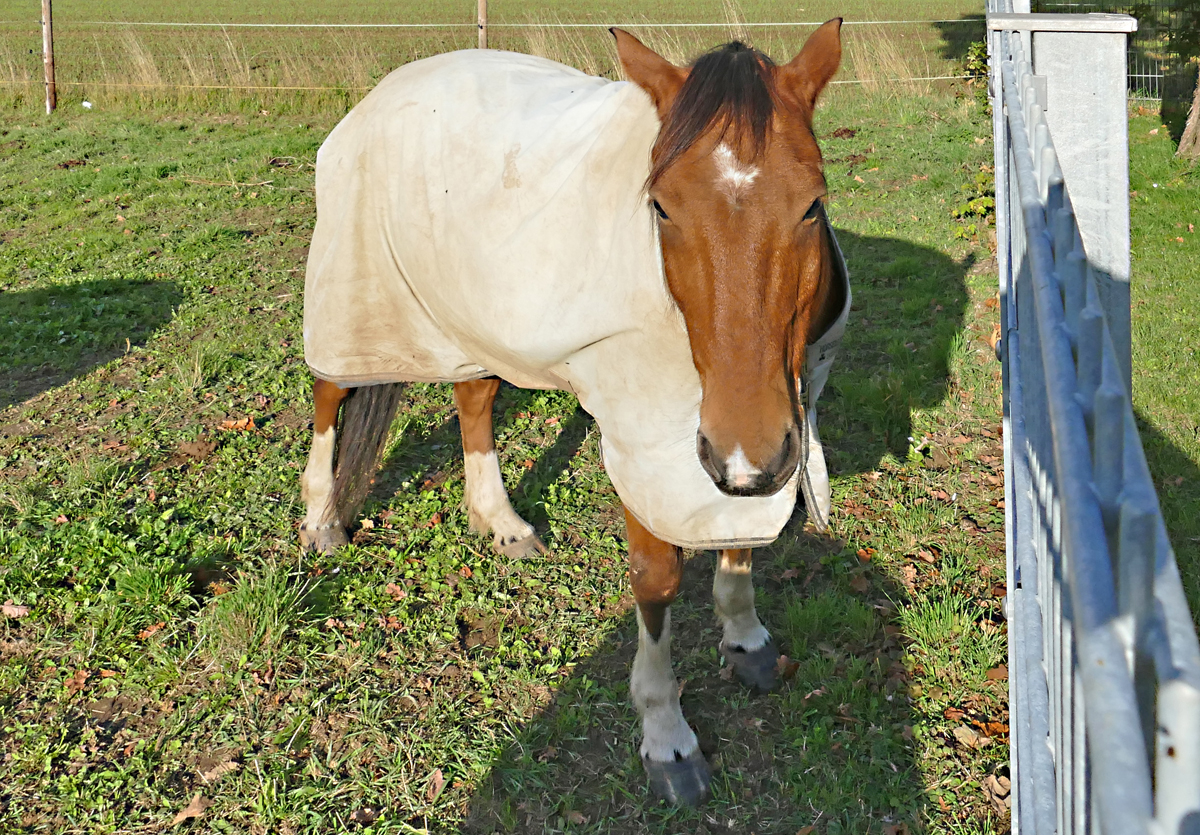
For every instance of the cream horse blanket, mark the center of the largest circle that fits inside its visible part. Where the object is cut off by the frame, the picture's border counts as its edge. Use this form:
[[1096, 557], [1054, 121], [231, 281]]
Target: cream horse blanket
[[483, 213]]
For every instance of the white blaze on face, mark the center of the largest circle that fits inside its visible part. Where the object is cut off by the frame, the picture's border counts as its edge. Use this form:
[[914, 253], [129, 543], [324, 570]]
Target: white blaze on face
[[739, 472], [734, 177]]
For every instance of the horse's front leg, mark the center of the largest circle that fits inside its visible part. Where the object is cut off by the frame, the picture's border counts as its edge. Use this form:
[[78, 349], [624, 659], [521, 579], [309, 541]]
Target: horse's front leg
[[671, 754], [487, 501], [321, 530], [746, 644]]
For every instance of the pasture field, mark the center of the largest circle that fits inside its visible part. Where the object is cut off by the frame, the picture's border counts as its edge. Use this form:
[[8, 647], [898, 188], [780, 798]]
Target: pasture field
[[178, 646], [169, 661]]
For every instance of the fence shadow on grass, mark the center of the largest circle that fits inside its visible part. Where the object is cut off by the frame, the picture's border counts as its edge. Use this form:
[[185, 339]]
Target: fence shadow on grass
[[1176, 477], [52, 335], [831, 747]]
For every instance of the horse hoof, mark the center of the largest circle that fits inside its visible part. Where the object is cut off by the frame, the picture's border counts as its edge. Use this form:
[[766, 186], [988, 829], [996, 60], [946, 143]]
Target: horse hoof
[[522, 548], [681, 782], [323, 540], [755, 668]]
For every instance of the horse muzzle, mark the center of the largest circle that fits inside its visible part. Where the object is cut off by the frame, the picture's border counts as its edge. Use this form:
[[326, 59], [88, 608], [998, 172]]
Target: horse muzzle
[[735, 475]]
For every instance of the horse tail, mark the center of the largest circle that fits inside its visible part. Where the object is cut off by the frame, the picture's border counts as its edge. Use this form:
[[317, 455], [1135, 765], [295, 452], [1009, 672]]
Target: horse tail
[[367, 414]]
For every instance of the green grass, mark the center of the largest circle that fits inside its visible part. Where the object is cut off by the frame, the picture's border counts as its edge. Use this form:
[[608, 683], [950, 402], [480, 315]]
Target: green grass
[[178, 644], [1165, 214]]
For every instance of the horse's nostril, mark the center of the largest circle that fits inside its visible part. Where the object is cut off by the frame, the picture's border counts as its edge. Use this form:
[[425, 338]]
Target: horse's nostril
[[708, 460], [788, 457]]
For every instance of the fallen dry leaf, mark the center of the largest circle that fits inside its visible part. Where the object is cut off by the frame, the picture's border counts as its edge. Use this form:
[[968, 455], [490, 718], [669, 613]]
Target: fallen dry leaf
[[12, 610], [227, 767], [107, 673], [364, 815], [926, 556], [806, 830], [998, 791], [785, 667], [575, 817], [60, 520], [860, 584], [908, 577], [75, 683], [998, 673], [790, 574], [968, 738], [240, 425], [437, 782], [150, 630], [434, 520], [953, 714], [395, 592], [858, 179], [195, 809], [465, 572]]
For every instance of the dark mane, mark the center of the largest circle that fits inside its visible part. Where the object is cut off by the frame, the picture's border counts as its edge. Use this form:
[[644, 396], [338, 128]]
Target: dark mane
[[731, 87]]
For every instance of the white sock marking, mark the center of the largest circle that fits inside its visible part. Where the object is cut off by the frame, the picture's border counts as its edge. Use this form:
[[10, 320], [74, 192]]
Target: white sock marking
[[487, 500], [733, 599], [733, 176], [655, 693], [316, 484], [739, 472]]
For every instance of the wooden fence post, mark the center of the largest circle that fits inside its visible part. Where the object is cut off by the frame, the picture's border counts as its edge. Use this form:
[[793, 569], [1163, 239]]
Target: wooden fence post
[[482, 23], [48, 57]]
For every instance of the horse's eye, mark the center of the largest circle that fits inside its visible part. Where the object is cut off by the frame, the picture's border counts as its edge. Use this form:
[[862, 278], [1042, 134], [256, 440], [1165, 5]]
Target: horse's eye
[[658, 208], [813, 211]]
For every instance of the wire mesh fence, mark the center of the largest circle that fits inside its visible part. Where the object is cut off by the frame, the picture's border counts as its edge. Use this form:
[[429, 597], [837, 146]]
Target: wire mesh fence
[[101, 60], [1160, 50]]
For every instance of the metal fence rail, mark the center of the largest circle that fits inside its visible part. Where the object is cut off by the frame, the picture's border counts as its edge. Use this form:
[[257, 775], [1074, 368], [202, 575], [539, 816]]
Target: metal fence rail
[[1104, 660]]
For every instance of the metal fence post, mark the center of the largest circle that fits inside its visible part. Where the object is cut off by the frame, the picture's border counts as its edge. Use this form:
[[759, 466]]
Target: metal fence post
[[1104, 659]]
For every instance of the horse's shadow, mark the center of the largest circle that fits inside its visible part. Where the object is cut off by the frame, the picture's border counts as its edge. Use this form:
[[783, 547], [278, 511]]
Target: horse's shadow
[[52, 335], [574, 766]]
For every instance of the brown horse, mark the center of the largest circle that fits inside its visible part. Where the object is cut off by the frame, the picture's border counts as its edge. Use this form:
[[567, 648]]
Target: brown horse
[[668, 259]]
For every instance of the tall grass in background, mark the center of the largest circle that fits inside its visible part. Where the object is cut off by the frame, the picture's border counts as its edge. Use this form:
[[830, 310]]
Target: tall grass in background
[[321, 69]]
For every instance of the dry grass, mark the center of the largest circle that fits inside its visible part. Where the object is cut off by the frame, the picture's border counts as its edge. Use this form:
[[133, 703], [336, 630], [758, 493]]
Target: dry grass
[[888, 63], [310, 69]]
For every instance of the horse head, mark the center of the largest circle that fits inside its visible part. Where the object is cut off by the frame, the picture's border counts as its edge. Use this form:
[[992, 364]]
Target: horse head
[[737, 185]]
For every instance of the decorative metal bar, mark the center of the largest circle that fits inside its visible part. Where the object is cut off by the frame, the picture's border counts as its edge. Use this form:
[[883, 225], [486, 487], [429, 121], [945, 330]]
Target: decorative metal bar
[[1104, 659]]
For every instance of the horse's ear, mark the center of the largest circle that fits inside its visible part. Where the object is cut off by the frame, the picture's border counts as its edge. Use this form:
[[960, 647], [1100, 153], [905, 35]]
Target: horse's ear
[[649, 70], [809, 72]]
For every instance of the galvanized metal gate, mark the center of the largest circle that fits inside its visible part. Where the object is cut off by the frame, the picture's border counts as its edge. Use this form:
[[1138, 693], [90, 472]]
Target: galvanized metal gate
[[1104, 664]]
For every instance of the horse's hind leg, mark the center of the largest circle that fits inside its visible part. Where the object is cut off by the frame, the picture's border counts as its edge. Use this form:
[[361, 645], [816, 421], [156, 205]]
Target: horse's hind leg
[[486, 499], [321, 530], [670, 752], [746, 645]]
